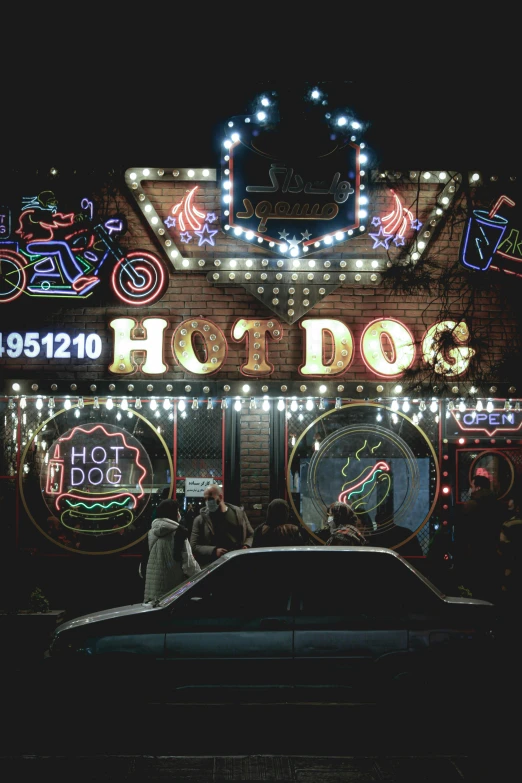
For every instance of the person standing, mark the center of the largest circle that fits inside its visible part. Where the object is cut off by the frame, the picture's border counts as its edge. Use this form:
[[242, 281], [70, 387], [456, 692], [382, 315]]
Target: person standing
[[479, 534], [277, 530], [170, 559], [219, 528]]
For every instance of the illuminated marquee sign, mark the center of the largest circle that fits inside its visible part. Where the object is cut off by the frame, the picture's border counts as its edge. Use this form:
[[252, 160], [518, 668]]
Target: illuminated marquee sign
[[292, 207], [97, 480], [490, 422], [387, 346]]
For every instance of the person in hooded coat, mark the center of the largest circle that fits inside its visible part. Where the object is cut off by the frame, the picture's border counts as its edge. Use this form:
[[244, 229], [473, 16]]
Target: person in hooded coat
[[170, 559]]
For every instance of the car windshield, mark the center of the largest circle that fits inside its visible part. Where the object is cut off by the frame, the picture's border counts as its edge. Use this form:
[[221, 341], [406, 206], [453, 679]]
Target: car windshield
[[167, 598]]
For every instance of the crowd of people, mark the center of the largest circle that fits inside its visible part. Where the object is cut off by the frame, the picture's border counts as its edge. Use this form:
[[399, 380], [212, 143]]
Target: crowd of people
[[488, 539]]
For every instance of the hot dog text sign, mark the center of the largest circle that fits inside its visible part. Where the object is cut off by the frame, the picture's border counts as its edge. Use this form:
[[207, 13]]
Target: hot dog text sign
[[97, 480]]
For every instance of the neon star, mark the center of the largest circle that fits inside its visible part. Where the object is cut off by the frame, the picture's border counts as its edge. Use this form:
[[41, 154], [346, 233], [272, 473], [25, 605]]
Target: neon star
[[211, 217], [186, 236], [380, 239], [294, 242], [416, 224], [170, 221], [206, 235], [399, 241], [376, 221]]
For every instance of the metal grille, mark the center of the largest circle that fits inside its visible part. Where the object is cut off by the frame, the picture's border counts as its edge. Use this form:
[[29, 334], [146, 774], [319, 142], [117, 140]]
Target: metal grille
[[199, 452]]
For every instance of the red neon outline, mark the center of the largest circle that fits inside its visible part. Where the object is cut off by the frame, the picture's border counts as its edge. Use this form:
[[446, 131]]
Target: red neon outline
[[156, 263], [378, 466], [303, 351], [48, 489], [368, 366], [109, 435], [20, 262], [246, 338], [267, 239], [201, 321], [483, 429], [59, 220], [144, 271]]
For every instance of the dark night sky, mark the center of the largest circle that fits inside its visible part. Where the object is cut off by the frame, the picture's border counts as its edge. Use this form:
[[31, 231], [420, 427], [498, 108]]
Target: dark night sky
[[430, 122]]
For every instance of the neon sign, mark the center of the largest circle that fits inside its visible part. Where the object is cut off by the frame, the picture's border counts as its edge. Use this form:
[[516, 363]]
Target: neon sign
[[96, 479], [489, 422], [393, 226], [67, 254]]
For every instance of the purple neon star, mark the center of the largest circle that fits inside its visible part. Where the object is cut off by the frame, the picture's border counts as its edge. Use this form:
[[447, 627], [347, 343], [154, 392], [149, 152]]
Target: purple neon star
[[380, 239], [376, 221], [186, 237], [399, 241], [205, 235], [416, 224], [170, 221], [211, 217]]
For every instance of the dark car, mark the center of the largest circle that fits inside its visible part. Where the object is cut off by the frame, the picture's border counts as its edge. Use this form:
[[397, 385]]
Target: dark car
[[299, 624]]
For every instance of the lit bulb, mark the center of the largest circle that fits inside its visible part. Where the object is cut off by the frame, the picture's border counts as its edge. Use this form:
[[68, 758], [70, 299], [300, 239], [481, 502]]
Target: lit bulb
[[317, 445], [77, 413], [480, 405], [166, 404], [405, 406], [281, 405], [462, 406], [67, 404], [181, 405], [23, 402], [237, 405], [415, 418], [39, 404], [118, 416], [434, 406], [379, 416], [394, 418], [266, 405], [395, 405], [293, 406], [153, 404], [489, 406], [109, 404], [309, 405], [124, 404]]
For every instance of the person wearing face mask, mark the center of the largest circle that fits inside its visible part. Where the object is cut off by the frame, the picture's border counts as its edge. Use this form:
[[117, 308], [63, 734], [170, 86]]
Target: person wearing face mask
[[170, 559], [339, 515], [219, 528]]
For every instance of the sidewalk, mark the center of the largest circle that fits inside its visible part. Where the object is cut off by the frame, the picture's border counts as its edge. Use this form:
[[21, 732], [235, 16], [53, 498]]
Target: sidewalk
[[207, 769]]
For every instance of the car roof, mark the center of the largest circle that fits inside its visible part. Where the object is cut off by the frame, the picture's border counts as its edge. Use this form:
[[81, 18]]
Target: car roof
[[320, 548]]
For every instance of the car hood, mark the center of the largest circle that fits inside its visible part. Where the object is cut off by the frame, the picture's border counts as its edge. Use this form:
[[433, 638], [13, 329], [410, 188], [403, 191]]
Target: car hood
[[452, 599], [106, 614]]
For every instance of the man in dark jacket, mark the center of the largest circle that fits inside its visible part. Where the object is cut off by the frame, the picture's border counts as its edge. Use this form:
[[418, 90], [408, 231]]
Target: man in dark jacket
[[477, 537], [219, 528]]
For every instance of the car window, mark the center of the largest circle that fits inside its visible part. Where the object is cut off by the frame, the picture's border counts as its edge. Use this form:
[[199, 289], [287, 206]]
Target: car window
[[256, 584], [356, 583]]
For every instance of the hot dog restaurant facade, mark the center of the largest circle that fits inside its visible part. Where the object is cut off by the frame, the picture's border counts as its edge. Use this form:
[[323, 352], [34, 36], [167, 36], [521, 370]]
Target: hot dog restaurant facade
[[305, 326]]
